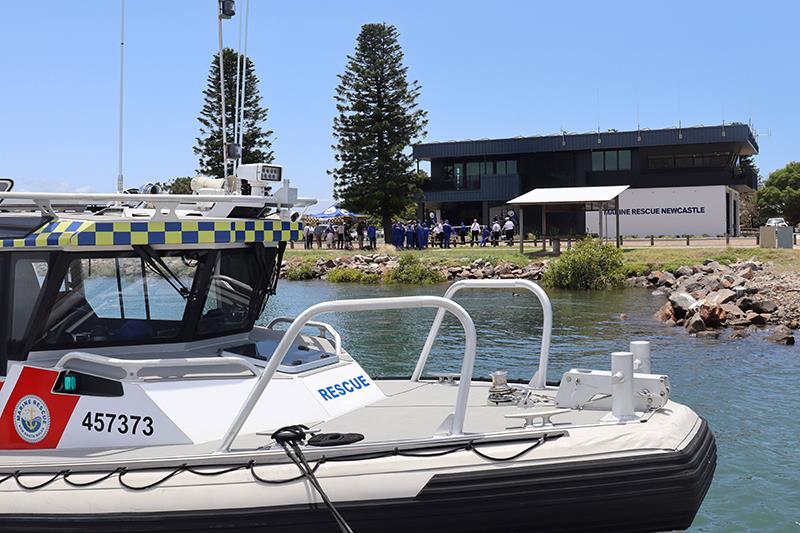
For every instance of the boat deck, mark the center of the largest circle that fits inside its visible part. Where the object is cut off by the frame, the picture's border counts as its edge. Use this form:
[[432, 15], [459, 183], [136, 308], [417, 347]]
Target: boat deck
[[411, 415]]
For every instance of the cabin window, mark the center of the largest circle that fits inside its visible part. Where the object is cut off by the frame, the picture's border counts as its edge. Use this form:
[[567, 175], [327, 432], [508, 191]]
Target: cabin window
[[29, 277], [230, 294]]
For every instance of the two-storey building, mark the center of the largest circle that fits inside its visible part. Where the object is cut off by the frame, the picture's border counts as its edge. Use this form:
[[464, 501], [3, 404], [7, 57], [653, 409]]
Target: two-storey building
[[682, 180]]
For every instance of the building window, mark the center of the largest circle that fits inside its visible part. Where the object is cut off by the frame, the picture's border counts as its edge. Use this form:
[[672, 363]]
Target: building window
[[597, 162], [611, 160], [707, 160], [511, 167], [488, 168], [624, 160]]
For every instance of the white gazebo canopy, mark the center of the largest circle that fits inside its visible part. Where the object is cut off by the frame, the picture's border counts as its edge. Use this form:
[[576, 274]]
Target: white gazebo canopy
[[570, 195], [591, 198]]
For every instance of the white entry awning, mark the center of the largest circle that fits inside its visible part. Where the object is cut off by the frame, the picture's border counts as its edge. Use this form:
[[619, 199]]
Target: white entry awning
[[570, 195]]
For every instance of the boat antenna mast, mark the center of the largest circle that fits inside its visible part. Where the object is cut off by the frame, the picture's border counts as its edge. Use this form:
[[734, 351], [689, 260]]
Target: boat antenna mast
[[226, 9], [120, 180]]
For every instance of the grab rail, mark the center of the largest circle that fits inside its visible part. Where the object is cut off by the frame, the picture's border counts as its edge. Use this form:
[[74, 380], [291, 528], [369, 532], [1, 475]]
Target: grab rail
[[322, 327], [369, 304], [132, 367], [539, 379]]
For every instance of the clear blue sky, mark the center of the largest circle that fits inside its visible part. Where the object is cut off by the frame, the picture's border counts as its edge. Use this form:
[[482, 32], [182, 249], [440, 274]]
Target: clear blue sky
[[488, 69]]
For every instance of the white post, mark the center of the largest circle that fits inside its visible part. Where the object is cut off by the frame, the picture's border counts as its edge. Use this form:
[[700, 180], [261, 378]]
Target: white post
[[641, 356], [621, 388]]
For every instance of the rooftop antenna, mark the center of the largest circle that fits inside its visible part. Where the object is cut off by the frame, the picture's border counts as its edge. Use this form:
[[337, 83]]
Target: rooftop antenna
[[120, 181], [638, 125]]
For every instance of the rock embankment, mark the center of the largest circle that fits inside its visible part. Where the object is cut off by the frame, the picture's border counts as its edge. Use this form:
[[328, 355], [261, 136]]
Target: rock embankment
[[743, 296], [380, 264]]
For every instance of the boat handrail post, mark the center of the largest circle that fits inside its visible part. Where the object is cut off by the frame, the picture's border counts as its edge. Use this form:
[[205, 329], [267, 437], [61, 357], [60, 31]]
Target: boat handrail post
[[367, 304], [539, 379]]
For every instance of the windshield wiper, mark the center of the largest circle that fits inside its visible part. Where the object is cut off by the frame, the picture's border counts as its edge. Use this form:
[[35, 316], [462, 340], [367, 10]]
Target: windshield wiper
[[157, 265]]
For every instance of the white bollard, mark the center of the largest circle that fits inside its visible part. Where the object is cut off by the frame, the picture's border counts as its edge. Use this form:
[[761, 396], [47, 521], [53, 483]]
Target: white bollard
[[641, 356], [621, 388]]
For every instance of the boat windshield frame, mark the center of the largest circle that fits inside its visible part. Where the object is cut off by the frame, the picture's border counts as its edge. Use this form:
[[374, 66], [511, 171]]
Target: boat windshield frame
[[251, 277]]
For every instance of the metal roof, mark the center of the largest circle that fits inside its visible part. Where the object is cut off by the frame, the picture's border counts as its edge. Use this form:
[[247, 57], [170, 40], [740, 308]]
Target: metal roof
[[736, 133], [570, 195]]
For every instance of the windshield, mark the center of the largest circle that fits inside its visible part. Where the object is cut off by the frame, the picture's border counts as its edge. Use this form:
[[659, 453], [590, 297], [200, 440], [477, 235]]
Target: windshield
[[116, 299], [75, 300]]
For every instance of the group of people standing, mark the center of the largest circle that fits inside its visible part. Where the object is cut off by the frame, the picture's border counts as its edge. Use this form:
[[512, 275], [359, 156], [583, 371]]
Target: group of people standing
[[416, 235], [339, 236]]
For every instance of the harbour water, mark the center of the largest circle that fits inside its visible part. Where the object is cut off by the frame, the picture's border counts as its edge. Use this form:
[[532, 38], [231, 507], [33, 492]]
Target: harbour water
[[746, 389]]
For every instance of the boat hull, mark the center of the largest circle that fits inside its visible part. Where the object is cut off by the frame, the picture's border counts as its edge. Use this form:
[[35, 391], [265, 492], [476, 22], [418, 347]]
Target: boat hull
[[654, 492]]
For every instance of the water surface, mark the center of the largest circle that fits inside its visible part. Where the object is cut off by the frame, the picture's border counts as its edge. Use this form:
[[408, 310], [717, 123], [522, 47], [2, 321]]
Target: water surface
[[746, 389]]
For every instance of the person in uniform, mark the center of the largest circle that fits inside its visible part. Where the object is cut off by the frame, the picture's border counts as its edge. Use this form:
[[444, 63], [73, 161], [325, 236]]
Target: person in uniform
[[426, 235], [495, 232], [475, 231], [447, 230], [420, 235], [372, 235], [409, 229], [462, 232], [484, 236], [508, 229]]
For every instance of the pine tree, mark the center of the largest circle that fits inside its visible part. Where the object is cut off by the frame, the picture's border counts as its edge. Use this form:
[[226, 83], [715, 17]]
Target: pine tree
[[256, 144], [378, 120]]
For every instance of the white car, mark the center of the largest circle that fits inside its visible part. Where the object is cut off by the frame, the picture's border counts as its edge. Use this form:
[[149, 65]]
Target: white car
[[776, 222]]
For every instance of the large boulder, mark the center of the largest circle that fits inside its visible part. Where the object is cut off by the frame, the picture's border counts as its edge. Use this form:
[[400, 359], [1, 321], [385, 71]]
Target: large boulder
[[695, 324], [782, 335], [720, 297], [683, 270], [732, 311], [681, 302], [665, 313], [712, 315], [695, 282], [756, 318], [765, 306]]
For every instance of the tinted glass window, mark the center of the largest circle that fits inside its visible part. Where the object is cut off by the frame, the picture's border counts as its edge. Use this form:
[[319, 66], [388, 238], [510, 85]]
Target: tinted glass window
[[116, 300], [598, 161], [488, 168], [611, 160], [511, 167], [624, 159], [473, 169], [29, 277], [230, 293], [500, 167]]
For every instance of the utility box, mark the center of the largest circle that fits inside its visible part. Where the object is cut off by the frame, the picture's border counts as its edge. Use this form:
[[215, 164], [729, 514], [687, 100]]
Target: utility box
[[785, 237], [776, 237]]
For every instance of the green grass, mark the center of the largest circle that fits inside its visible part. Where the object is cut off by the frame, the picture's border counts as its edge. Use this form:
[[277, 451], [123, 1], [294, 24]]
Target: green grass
[[636, 261], [671, 258]]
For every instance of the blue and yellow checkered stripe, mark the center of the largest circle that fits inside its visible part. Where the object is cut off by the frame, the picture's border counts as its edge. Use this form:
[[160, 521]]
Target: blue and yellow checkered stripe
[[79, 233]]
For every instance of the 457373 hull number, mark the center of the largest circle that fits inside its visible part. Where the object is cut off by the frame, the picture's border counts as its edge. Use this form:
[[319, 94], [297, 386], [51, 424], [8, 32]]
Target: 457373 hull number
[[124, 424]]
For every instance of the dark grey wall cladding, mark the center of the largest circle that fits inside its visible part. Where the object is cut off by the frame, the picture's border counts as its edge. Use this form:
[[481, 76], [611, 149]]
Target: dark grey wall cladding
[[588, 141], [492, 188]]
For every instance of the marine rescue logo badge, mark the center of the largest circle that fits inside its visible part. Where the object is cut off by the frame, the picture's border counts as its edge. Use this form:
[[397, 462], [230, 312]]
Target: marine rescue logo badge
[[31, 419]]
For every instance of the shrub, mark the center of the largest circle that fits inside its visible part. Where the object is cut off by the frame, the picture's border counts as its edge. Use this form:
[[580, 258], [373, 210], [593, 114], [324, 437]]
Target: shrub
[[590, 264], [412, 271], [299, 272], [343, 274]]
